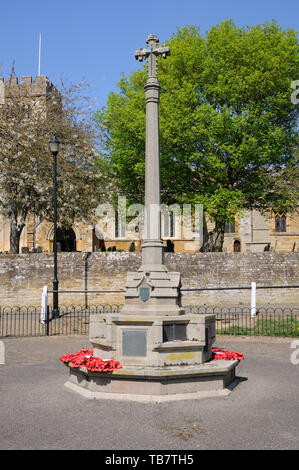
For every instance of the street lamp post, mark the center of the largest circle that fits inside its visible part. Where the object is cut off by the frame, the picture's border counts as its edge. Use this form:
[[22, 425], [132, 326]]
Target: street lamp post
[[54, 148]]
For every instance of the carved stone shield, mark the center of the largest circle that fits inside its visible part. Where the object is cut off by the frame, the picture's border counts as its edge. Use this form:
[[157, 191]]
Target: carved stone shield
[[144, 293]]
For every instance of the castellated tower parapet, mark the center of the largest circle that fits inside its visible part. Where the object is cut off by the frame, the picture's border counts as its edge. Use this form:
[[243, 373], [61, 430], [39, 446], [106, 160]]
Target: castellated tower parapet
[[27, 87]]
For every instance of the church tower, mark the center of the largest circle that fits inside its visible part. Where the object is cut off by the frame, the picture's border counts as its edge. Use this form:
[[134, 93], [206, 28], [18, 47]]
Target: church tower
[[26, 89]]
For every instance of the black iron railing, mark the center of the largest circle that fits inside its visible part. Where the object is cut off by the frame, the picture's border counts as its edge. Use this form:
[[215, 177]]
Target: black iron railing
[[74, 320], [240, 321], [29, 321]]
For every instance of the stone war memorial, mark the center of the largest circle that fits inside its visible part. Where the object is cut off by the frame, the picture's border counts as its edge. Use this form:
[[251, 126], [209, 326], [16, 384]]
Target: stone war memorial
[[165, 354]]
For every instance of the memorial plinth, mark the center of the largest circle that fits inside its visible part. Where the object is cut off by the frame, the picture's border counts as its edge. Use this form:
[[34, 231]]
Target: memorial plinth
[[156, 385], [153, 340], [165, 353]]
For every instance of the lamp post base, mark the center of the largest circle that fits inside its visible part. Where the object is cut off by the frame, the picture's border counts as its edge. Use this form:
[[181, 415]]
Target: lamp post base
[[55, 311]]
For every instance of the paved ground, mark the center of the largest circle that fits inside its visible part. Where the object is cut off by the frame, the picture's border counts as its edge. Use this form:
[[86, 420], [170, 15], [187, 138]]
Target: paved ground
[[38, 412]]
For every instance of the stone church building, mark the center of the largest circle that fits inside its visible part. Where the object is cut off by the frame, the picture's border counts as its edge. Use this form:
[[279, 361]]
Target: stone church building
[[252, 232]]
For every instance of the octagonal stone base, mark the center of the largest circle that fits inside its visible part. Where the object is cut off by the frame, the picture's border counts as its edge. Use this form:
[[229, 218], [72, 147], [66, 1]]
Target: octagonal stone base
[[148, 384]]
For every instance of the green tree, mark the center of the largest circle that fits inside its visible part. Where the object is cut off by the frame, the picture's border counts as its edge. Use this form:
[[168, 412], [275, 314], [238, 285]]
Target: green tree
[[227, 124]]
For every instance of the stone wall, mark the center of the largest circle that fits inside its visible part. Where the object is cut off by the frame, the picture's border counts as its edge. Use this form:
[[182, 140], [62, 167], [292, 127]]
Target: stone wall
[[23, 276]]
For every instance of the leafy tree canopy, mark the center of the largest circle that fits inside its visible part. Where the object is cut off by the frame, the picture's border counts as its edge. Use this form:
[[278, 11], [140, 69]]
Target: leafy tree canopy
[[228, 128]]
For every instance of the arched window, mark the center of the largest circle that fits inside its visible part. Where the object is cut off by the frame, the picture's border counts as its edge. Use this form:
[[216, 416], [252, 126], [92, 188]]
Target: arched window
[[230, 227], [169, 224], [172, 224], [120, 226], [280, 223]]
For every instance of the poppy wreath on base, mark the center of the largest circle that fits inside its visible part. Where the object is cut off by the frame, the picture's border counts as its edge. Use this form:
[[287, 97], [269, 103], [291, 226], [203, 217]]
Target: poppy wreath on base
[[84, 358], [223, 354]]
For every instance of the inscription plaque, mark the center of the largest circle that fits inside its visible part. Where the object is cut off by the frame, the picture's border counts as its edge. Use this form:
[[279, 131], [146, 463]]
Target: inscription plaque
[[134, 343], [174, 331]]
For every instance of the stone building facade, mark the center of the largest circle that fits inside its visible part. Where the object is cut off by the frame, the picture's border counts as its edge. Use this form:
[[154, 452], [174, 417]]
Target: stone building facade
[[254, 232], [251, 233]]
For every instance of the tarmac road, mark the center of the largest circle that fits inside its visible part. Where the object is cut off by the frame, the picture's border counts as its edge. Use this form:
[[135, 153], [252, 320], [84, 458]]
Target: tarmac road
[[38, 412]]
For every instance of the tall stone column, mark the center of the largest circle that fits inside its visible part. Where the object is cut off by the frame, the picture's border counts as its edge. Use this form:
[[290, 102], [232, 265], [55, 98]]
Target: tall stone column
[[152, 248], [152, 290]]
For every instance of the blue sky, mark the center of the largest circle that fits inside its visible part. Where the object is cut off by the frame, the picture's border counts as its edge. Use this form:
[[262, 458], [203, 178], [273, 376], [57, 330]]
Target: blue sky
[[96, 39]]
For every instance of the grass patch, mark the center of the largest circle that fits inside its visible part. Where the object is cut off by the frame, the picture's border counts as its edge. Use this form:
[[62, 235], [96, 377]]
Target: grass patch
[[288, 327]]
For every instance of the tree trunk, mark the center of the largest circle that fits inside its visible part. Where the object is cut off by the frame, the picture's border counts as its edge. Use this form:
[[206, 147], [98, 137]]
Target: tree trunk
[[15, 235], [213, 240], [16, 228], [218, 236]]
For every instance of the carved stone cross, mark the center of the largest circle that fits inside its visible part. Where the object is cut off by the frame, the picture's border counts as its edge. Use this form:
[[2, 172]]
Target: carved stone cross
[[152, 247], [151, 54]]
